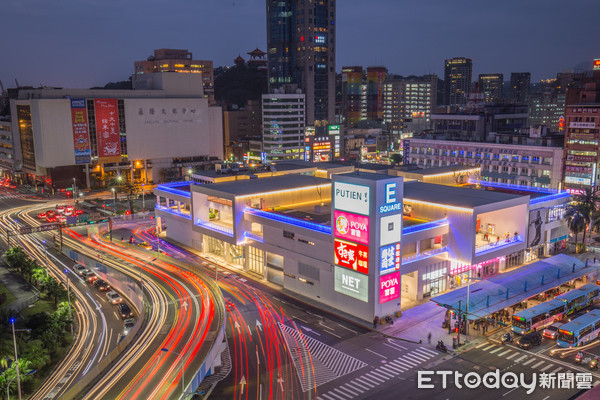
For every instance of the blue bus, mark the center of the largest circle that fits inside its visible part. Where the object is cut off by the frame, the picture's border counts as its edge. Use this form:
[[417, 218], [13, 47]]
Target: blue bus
[[579, 298], [546, 313], [580, 331], [539, 316]]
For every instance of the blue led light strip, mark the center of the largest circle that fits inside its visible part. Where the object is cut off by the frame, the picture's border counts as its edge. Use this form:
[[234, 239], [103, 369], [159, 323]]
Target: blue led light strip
[[170, 188], [213, 227], [425, 226], [501, 244], [289, 220], [551, 197], [512, 186], [171, 211]]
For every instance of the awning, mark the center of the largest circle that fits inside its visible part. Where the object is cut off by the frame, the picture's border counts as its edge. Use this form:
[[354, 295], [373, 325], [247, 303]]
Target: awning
[[507, 289]]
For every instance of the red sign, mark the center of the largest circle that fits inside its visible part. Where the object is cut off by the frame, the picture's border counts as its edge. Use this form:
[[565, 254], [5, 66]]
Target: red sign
[[389, 287], [81, 137], [107, 130], [351, 226], [352, 256]]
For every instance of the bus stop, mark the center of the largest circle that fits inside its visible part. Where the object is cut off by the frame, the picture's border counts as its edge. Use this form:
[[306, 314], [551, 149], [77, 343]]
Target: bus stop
[[482, 298]]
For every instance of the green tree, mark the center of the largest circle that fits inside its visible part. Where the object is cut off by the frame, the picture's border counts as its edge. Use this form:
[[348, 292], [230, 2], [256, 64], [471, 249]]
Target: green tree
[[37, 354], [15, 257], [131, 191], [54, 289], [62, 316], [588, 205], [39, 275], [576, 221], [396, 159], [28, 268]]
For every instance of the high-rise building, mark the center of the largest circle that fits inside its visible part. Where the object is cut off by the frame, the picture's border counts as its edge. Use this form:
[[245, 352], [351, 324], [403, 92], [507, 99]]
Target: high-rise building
[[176, 60], [301, 51], [458, 73], [547, 108], [283, 121], [352, 79], [409, 102], [491, 87], [519, 86], [375, 80]]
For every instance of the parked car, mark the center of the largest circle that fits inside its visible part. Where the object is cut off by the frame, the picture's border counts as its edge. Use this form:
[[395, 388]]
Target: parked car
[[128, 324], [145, 245], [530, 340], [80, 269], [125, 311], [552, 331], [102, 285], [113, 297], [90, 277]]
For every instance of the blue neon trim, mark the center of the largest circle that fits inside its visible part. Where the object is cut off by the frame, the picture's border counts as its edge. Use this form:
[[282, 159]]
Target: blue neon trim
[[213, 227], [551, 194], [501, 244], [170, 188], [424, 227], [551, 197], [171, 211], [289, 220]]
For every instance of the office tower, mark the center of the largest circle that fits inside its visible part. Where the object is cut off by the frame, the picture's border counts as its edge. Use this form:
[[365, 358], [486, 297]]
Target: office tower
[[408, 103], [175, 60], [519, 86], [547, 108], [283, 121], [375, 81], [458, 73], [491, 87], [352, 78], [301, 51]]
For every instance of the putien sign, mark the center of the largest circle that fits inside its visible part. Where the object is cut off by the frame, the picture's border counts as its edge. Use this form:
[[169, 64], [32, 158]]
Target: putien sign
[[351, 226], [389, 287], [351, 255], [351, 284], [351, 198]]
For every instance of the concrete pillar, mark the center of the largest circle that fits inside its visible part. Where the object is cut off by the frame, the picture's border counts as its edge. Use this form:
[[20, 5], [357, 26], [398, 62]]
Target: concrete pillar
[[178, 203], [418, 247], [87, 175]]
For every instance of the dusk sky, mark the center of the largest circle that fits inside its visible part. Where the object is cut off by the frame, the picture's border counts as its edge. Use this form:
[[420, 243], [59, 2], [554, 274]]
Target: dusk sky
[[84, 43]]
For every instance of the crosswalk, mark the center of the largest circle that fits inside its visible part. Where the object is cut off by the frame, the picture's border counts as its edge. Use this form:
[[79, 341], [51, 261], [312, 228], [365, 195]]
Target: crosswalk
[[12, 196], [528, 360], [363, 384]]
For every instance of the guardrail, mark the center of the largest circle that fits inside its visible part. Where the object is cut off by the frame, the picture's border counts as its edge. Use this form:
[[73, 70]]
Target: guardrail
[[425, 254], [498, 245], [214, 227]]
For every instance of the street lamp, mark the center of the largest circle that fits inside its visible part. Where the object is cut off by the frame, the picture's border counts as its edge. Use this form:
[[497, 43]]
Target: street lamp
[[69, 295], [190, 171], [115, 202], [12, 322], [182, 370], [143, 200], [33, 371], [46, 251]]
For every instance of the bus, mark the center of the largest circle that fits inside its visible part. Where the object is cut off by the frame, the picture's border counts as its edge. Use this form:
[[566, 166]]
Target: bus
[[579, 298], [580, 331], [538, 316], [546, 313]]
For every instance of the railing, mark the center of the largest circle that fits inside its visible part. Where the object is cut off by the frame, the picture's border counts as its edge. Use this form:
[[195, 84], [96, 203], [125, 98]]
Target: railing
[[549, 197], [214, 227], [425, 254], [290, 220], [499, 244], [171, 211], [424, 227], [254, 236], [170, 188]]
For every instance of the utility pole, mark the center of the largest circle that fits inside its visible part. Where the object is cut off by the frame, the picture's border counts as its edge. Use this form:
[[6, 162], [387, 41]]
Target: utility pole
[[459, 321]]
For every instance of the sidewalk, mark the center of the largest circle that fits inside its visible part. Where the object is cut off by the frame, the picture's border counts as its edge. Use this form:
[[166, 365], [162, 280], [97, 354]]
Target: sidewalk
[[21, 289]]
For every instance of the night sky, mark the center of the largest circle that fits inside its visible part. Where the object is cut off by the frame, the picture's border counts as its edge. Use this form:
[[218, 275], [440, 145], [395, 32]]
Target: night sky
[[84, 43]]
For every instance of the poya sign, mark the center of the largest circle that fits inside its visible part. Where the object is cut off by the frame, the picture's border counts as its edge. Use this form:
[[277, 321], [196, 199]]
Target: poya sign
[[389, 287], [351, 226], [352, 198]]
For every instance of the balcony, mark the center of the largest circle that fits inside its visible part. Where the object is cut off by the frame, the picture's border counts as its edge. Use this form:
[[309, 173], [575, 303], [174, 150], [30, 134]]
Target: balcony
[[424, 255], [214, 227], [498, 244], [172, 211], [290, 220], [424, 227]]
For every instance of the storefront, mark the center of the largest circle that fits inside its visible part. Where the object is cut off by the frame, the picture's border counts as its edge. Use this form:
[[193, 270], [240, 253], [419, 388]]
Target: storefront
[[535, 252], [434, 279]]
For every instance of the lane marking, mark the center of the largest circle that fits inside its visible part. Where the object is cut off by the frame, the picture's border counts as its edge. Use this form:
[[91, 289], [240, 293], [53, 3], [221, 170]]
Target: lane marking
[[504, 353], [537, 364], [369, 350]]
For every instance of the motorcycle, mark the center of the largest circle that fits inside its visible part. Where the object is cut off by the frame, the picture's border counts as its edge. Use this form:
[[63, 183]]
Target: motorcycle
[[594, 364], [578, 358], [507, 338], [441, 347]]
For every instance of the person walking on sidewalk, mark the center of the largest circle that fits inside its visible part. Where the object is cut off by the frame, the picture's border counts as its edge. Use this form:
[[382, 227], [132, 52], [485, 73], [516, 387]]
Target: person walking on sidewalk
[[429, 338], [375, 321]]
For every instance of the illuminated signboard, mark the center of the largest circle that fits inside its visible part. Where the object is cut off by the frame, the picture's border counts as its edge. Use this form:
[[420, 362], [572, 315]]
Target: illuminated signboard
[[389, 287], [352, 256], [351, 284], [389, 260], [351, 226], [351, 198], [334, 129], [392, 202], [390, 229], [596, 64]]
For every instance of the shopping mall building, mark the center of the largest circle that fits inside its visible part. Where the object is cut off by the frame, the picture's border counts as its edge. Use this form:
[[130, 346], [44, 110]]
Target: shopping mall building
[[364, 243]]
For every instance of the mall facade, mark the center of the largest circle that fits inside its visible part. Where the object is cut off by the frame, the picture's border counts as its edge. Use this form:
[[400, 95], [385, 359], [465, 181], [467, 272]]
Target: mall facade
[[364, 243]]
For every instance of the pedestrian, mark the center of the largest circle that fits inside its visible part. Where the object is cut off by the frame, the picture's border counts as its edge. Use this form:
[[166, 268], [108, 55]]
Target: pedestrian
[[375, 321], [429, 338]]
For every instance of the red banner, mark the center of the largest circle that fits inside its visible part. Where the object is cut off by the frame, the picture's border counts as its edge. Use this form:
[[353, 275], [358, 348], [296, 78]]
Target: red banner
[[352, 256], [81, 137], [107, 130]]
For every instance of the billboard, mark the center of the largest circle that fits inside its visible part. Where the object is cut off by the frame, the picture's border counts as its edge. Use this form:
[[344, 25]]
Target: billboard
[[351, 284], [351, 227], [81, 136], [389, 287], [535, 229], [596, 66], [389, 258], [352, 256], [351, 198], [107, 130]]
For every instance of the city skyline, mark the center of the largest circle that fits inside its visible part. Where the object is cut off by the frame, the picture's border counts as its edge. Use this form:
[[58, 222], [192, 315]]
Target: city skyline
[[66, 47]]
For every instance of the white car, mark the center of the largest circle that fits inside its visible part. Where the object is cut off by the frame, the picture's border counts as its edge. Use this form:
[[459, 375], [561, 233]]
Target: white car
[[128, 324], [79, 268], [113, 297]]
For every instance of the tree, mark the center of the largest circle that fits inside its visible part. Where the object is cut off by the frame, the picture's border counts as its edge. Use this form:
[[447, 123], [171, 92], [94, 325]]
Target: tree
[[131, 190], [576, 221], [15, 257], [588, 205], [28, 268], [396, 159], [54, 289], [39, 275]]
